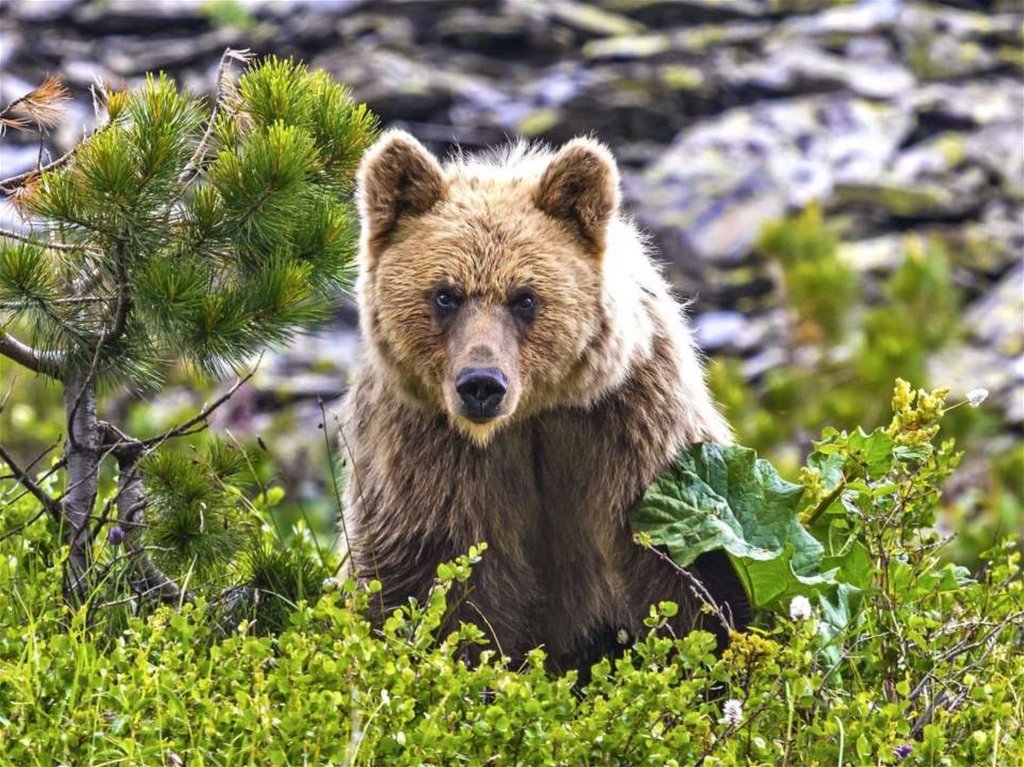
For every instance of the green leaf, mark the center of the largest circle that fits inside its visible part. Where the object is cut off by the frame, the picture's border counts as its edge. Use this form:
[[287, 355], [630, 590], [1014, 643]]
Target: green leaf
[[872, 453], [716, 496], [838, 608], [852, 566]]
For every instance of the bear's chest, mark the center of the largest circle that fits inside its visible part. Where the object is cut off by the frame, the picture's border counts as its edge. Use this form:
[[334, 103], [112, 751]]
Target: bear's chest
[[556, 494]]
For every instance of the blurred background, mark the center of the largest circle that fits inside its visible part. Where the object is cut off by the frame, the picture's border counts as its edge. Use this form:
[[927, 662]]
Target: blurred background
[[836, 187]]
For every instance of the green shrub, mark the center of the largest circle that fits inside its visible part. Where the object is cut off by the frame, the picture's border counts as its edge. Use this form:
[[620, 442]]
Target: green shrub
[[891, 657], [846, 344]]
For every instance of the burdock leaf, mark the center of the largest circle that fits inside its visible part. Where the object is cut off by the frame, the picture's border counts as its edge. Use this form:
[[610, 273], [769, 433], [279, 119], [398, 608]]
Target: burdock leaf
[[724, 497]]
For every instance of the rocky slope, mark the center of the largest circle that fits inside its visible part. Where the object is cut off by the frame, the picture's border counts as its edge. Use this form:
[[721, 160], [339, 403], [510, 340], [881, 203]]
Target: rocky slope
[[896, 116]]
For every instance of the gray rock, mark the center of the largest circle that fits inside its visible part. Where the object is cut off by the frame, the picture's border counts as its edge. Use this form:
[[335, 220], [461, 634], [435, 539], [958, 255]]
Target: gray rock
[[688, 42], [996, 319], [966, 367], [999, 150], [969, 104], [879, 254], [769, 359], [735, 333], [993, 356], [665, 13], [17, 158], [792, 69], [586, 21], [38, 11], [856, 19], [943, 43], [712, 191]]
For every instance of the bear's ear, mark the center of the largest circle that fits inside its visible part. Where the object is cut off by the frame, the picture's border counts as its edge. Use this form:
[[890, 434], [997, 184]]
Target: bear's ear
[[581, 186], [398, 176]]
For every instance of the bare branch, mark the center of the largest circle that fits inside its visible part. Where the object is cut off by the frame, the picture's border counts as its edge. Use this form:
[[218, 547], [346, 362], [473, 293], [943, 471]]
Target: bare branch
[[10, 184], [184, 428], [12, 235], [47, 363], [697, 588], [145, 577], [192, 168], [26, 481], [17, 305], [19, 527]]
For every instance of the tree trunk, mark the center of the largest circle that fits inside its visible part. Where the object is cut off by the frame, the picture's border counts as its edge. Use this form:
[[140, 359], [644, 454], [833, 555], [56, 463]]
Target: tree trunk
[[82, 456]]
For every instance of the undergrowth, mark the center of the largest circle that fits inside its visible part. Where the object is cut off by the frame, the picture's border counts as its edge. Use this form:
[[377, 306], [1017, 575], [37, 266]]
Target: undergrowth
[[884, 655]]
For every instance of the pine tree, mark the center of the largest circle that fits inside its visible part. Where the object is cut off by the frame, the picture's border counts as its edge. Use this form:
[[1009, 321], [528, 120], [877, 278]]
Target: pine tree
[[176, 233]]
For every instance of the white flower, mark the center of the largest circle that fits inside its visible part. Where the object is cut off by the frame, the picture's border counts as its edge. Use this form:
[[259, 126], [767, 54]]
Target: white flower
[[732, 712], [622, 637], [331, 584], [976, 396], [800, 608]]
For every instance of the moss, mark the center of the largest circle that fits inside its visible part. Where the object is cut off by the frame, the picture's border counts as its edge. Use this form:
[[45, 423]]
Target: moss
[[595, 20], [953, 148], [681, 78], [1012, 55], [539, 122], [903, 201], [626, 47]]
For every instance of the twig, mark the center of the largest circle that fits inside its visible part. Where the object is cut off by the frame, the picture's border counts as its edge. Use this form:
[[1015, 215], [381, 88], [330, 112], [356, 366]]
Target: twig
[[192, 168], [19, 527], [7, 396], [12, 235], [26, 481], [42, 454], [8, 185], [16, 305], [697, 587], [183, 428]]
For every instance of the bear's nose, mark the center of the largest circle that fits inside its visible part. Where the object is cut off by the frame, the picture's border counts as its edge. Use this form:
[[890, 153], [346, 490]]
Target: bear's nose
[[481, 390]]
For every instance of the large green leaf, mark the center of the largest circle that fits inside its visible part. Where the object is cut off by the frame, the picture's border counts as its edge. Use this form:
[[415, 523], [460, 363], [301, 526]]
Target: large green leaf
[[724, 497]]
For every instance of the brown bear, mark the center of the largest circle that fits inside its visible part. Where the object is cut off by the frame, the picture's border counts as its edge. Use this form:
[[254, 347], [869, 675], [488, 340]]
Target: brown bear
[[526, 376]]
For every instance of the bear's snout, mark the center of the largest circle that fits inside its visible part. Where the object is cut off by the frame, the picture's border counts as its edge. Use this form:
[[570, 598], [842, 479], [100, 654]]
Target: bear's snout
[[481, 391]]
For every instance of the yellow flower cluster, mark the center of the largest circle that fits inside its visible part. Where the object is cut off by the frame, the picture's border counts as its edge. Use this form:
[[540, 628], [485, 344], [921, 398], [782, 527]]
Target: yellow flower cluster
[[815, 488], [749, 648], [915, 414]]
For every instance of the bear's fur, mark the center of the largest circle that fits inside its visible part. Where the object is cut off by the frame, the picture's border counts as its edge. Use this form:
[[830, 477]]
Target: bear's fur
[[603, 388]]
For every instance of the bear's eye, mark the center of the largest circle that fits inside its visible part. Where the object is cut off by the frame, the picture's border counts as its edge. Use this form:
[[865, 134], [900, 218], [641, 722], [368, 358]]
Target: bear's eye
[[524, 305], [445, 300]]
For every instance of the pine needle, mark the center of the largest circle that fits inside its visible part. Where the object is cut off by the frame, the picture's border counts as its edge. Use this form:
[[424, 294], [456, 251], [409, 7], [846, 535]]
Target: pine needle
[[43, 106]]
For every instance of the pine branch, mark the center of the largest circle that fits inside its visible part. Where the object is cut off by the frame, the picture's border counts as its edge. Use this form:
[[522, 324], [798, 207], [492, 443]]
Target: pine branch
[[46, 363], [27, 482]]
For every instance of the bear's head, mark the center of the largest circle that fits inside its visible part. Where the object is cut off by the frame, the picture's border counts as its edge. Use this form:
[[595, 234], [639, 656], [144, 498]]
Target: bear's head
[[481, 282]]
